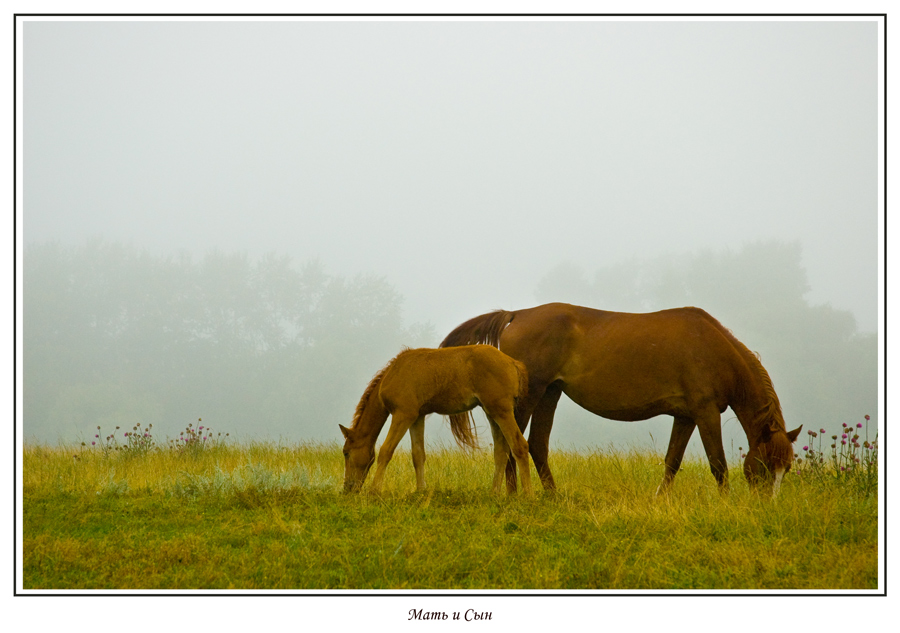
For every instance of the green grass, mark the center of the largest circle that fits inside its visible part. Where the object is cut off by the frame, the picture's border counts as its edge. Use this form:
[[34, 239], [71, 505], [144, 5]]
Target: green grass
[[272, 517]]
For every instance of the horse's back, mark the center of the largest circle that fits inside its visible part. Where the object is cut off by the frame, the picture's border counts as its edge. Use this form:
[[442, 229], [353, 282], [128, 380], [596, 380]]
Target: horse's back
[[631, 363]]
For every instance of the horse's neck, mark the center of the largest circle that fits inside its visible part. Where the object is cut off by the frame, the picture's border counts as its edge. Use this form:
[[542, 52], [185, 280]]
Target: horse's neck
[[754, 406]]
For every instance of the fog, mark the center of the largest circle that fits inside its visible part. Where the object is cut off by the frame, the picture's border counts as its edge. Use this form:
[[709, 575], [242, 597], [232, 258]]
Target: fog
[[468, 166]]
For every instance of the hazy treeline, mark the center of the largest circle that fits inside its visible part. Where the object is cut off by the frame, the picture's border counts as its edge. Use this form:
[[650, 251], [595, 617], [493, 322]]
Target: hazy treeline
[[114, 336], [824, 370], [263, 348]]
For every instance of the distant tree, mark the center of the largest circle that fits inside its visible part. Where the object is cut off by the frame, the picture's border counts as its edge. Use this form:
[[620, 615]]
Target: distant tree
[[114, 335], [825, 371]]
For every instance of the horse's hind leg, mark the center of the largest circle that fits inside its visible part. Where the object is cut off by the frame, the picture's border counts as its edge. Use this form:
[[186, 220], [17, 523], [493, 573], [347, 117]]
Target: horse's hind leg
[[682, 429], [539, 435], [417, 441]]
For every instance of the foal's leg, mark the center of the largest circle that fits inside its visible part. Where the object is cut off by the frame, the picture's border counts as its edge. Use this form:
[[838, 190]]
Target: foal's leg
[[501, 455], [400, 424], [517, 444], [682, 429], [417, 440], [523, 412]]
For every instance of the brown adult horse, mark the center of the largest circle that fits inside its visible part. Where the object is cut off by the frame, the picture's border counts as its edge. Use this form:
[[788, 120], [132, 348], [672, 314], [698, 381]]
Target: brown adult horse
[[622, 366], [446, 381]]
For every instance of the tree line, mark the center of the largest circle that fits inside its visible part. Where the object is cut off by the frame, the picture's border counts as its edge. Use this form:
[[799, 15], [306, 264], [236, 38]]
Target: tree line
[[263, 347]]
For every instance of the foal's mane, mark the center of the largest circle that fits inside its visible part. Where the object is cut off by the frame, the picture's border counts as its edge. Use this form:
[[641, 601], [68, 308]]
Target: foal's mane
[[372, 387]]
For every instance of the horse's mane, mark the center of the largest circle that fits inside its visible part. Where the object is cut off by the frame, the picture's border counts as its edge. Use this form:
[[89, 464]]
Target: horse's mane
[[771, 411]]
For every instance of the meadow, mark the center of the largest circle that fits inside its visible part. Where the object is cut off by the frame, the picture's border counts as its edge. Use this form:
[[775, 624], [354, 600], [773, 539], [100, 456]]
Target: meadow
[[217, 514]]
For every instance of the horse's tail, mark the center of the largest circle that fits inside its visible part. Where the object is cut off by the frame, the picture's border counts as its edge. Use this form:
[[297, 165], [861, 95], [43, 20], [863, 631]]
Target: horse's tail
[[485, 329], [523, 383]]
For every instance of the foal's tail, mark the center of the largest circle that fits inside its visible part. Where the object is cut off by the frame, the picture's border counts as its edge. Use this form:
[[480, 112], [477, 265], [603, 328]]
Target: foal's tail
[[462, 425], [485, 329]]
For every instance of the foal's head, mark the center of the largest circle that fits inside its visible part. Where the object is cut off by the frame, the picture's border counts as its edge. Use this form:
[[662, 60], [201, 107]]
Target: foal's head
[[768, 461], [359, 454]]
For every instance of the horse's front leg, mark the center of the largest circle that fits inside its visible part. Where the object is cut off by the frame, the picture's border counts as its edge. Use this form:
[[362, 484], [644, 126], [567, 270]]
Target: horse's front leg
[[709, 423], [682, 429], [400, 424], [417, 442]]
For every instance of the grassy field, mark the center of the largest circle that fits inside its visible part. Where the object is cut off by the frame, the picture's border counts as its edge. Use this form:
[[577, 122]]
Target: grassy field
[[265, 516]]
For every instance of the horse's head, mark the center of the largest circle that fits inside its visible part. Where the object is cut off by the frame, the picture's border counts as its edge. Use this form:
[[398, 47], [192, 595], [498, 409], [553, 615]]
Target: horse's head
[[771, 457], [358, 458]]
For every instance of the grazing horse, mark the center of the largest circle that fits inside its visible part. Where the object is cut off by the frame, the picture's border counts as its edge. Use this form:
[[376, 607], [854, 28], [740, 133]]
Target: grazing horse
[[445, 381], [680, 362]]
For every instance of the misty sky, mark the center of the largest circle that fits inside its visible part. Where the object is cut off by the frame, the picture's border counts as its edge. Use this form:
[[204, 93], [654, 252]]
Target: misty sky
[[460, 160]]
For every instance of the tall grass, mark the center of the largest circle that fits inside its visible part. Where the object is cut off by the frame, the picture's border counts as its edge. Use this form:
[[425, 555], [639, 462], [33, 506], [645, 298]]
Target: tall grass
[[270, 516]]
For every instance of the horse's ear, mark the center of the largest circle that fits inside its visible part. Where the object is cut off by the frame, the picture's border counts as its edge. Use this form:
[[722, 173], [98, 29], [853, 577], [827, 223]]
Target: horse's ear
[[345, 431], [792, 435]]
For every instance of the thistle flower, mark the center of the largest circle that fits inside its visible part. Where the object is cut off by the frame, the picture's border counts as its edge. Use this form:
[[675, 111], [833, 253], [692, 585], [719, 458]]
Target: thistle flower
[[806, 448], [867, 417]]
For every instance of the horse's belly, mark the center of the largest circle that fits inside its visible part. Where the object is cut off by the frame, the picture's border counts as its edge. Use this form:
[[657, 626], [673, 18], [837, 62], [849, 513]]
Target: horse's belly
[[625, 405]]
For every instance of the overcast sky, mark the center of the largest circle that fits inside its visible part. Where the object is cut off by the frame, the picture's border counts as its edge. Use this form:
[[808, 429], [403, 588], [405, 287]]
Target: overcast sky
[[460, 160]]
